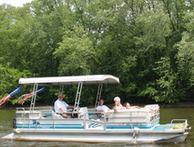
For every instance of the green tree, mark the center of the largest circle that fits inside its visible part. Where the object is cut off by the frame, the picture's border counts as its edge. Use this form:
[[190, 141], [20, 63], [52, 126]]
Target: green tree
[[75, 52], [185, 58], [9, 78]]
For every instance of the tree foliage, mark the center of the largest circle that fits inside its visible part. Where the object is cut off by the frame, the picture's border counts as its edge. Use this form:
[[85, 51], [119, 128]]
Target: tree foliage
[[148, 44], [9, 78]]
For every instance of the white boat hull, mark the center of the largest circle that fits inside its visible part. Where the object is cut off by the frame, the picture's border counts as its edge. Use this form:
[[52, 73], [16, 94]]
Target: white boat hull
[[97, 136]]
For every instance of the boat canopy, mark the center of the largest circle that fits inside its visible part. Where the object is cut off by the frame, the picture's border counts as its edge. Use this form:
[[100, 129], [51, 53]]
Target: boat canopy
[[66, 80]]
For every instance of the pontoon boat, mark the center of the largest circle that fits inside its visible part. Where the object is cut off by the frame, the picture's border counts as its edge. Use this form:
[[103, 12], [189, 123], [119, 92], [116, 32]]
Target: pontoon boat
[[133, 126]]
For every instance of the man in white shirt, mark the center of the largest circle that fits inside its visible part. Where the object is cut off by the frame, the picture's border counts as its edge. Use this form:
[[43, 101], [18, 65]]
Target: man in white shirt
[[61, 106]]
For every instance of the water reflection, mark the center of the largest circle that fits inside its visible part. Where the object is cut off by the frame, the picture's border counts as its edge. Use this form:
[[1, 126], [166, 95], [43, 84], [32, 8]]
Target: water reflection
[[6, 117]]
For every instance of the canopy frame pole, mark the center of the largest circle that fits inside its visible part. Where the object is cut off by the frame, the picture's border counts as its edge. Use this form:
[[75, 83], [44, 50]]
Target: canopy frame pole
[[98, 95], [33, 100], [61, 90], [78, 96]]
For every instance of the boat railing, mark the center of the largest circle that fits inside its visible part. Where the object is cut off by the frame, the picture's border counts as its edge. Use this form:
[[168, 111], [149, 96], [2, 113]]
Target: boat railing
[[22, 110], [38, 119], [179, 123], [132, 116], [129, 118], [87, 118], [35, 108], [48, 123]]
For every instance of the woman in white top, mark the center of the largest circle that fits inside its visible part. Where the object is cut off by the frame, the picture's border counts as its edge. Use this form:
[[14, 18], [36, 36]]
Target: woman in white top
[[118, 105]]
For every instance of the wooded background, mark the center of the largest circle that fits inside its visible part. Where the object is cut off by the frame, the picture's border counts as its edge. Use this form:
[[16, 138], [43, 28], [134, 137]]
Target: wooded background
[[148, 44]]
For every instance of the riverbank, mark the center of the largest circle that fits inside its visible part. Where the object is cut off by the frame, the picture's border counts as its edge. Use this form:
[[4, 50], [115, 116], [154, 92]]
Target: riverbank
[[179, 105]]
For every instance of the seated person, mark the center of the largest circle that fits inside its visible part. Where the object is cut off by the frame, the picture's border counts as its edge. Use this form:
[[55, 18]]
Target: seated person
[[128, 106], [61, 106], [118, 106], [101, 107]]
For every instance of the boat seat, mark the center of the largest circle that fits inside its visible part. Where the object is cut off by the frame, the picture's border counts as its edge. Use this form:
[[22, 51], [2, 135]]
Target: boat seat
[[83, 113], [56, 116], [35, 115], [132, 116], [154, 108]]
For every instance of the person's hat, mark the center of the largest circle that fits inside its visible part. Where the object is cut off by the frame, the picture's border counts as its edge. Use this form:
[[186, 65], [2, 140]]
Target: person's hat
[[117, 99], [61, 96]]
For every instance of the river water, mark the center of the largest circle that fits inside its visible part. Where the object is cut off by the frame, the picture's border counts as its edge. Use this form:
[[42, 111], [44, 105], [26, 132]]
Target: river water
[[166, 115]]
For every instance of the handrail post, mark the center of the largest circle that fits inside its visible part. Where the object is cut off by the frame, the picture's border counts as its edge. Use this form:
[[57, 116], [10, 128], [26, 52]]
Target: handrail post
[[78, 96], [98, 95], [33, 100], [104, 125]]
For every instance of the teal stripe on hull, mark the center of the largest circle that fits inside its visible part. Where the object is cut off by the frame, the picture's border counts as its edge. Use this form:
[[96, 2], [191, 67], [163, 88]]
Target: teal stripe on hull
[[57, 126], [79, 126], [128, 126]]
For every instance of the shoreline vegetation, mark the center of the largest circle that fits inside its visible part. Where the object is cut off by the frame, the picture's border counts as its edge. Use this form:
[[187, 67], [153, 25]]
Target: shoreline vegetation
[[177, 105]]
